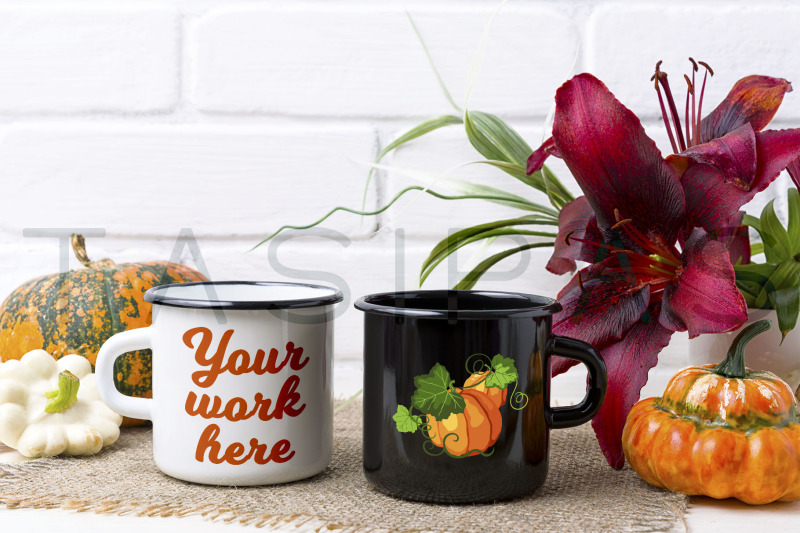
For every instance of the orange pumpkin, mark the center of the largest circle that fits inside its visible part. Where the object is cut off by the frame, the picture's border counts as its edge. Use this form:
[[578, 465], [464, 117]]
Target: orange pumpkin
[[721, 431], [497, 396], [470, 432]]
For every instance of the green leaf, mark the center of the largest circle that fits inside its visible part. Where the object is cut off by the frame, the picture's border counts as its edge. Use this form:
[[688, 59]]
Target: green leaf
[[794, 221], [777, 245], [502, 374], [503, 197], [463, 237], [475, 274], [491, 235], [407, 136], [786, 303], [494, 139], [436, 394], [558, 194], [497, 141], [785, 276], [406, 422], [754, 272], [497, 199], [756, 248], [476, 190], [442, 85], [750, 292], [753, 222]]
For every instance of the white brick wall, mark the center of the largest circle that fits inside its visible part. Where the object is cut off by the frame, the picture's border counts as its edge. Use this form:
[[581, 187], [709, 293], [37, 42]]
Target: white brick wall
[[235, 117], [62, 60]]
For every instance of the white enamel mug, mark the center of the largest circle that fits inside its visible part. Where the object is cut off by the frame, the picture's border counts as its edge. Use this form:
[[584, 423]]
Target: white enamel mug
[[242, 384]]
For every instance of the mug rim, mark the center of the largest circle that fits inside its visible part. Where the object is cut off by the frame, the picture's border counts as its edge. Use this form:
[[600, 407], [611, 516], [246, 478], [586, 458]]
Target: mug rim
[[539, 305], [154, 296]]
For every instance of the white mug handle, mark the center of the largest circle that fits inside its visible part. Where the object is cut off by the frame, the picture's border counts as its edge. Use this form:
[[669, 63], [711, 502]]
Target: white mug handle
[[127, 341]]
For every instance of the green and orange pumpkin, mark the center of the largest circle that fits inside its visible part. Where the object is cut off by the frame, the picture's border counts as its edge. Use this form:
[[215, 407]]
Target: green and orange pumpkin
[[77, 311]]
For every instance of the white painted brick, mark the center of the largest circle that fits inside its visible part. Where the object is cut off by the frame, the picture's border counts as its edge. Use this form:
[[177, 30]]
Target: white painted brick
[[154, 180], [66, 60], [624, 41], [314, 59]]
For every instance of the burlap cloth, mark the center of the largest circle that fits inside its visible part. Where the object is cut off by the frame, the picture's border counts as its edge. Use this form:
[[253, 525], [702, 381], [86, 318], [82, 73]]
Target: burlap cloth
[[581, 493]]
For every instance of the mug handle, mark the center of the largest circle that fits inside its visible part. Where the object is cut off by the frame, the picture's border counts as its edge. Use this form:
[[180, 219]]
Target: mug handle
[[126, 341], [575, 415]]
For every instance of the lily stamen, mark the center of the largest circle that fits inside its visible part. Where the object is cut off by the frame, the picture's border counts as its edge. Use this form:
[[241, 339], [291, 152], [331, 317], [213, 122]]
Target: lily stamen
[[700, 101], [640, 239], [673, 110], [693, 127], [687, 134], [689, 125], [656, 77]]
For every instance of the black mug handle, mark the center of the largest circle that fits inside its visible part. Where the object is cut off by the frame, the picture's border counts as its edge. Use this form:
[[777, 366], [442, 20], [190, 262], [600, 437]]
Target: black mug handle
[[575, 415]]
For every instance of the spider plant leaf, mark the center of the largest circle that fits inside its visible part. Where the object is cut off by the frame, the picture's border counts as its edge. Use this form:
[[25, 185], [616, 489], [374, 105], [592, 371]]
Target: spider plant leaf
[[463, 237], [492, 234], [494, 139], [477, 61], [475, 274], [391, 202], [777, 244], [476, 190], [442, 85], [506, 198], [794, 221], [409, 135], [558, 195], [497, 141]]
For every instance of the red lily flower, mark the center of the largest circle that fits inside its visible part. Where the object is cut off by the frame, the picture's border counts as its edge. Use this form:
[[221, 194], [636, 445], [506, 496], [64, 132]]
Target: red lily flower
[[724, 158], [641, 288]]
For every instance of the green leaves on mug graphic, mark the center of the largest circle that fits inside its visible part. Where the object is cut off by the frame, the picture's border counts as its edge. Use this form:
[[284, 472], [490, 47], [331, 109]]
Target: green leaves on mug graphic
[[406, 422], [436, 394], [502, 374]]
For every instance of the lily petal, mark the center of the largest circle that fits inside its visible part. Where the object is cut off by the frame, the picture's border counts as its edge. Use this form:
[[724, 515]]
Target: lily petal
[[777, 149], [575, 221], [734, 155], [753, 100], [704, 298], [601, 309], [736, 238], [712, 200], [537, 158], [627, 363], [794, 172], [615, 163]]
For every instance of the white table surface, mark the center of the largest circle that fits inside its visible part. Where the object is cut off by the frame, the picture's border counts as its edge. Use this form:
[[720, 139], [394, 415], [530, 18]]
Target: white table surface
[[704, 514]]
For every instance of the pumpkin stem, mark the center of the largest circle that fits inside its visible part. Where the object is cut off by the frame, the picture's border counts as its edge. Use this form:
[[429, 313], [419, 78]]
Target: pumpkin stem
[[733, 365], [79, 248], [66, 395]]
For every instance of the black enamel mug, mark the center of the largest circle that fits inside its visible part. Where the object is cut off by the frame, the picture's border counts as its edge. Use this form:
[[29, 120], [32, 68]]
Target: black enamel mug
[[457, 391]]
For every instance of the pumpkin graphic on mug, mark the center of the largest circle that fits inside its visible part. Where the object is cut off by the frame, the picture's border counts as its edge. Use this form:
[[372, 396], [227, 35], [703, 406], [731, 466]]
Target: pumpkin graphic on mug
[[461, 421]]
